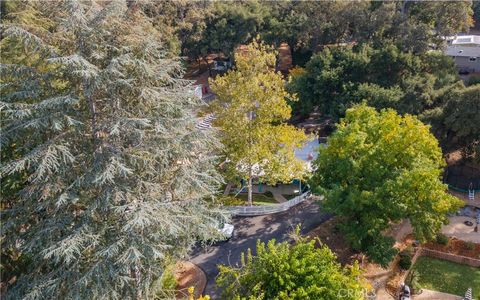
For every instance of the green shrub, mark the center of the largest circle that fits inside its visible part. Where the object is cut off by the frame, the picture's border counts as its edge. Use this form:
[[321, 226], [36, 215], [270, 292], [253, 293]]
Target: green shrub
[[474, 79], [408, 250], [165, 286], [469, 246], [405, 260], [230, 200], [169, 282], [268, 194], [442, 239], [412, 281]]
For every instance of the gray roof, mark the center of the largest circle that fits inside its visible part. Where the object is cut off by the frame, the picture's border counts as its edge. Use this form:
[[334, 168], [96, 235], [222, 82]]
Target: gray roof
[[463, 51]]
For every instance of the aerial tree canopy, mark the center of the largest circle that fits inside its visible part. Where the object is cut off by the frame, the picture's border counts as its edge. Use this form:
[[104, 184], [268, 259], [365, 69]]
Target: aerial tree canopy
[[285, 271], [379, 168], [386, 77], [251, 111], [456, 120], [227, 25], [102, 130]]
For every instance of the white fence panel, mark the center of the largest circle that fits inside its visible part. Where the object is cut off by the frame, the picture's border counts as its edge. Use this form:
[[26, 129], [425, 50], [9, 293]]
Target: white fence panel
[[247, 211]]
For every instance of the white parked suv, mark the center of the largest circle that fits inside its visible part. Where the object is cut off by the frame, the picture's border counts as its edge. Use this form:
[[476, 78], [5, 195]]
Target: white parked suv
[[226, 230]]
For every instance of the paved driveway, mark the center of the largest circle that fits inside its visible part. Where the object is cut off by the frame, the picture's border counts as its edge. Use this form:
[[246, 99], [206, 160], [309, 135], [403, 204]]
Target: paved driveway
[[248, 230]]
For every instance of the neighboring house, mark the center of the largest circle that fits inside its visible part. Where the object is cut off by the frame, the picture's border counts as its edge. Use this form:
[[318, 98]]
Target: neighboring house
[[465, 40], [309, 152], [465, 50]]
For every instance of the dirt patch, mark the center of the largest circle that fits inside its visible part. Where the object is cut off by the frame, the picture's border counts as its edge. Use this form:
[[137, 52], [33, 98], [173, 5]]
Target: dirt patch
[[330, 236], [189, 275], [456, 246]]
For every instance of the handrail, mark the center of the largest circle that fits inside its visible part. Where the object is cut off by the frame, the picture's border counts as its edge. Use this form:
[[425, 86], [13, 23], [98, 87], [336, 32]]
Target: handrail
[[266, 209]]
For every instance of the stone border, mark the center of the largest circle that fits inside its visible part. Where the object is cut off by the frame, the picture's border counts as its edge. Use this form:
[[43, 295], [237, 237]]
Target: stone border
[[459, 259]]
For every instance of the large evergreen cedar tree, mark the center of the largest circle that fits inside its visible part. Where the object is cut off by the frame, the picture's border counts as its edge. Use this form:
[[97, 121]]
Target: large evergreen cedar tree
[[104, 129], [251, 111], [380, 168], [286, 271]]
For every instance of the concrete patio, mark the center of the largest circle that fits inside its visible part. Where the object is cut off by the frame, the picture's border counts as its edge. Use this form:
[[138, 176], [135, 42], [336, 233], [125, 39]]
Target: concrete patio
[[434, 295], [457, 228]]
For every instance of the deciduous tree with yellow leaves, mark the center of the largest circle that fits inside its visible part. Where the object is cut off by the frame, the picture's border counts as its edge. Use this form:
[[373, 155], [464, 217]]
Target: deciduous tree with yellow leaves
[[251, 111]]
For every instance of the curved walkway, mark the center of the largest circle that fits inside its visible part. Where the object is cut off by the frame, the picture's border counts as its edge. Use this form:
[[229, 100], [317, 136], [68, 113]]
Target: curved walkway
[[250, 229]]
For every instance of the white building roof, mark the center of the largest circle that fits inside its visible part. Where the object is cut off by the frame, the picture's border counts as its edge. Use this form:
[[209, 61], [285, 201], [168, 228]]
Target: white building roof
[[464, 40], [462, 51]]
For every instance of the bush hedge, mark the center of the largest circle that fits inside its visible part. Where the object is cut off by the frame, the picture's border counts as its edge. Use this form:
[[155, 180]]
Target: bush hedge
[[442, 239]]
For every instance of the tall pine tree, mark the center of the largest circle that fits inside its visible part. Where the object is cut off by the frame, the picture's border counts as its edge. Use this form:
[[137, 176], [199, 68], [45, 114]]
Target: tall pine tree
[[103, 127]]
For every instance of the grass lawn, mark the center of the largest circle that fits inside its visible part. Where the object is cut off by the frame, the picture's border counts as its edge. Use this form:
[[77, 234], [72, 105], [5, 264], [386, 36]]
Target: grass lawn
[[259, 199], [448, 277], [290, 196]]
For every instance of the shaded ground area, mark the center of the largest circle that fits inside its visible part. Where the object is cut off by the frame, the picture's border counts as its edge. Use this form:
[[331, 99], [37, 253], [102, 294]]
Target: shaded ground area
[[280, 192], [377, 275], [460, 173], [334, 240], [447, 277], [250, 229]]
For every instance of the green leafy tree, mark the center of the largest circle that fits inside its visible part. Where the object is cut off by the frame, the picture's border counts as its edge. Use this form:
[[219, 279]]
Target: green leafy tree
[[226, 26], [104, 127], [285, 271], [386, 77], [181, 22], [251, 111], [412, 25], [457, 122], [308, 26], [476, 13], [446, 18], [379, 168]]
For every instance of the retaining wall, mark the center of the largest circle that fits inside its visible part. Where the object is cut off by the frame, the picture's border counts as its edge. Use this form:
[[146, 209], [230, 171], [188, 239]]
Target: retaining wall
[[249, 211], [464, 260]]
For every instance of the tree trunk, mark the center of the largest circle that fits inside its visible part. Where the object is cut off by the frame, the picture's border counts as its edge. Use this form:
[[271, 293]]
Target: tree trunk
[[250, 187], [204, 58]]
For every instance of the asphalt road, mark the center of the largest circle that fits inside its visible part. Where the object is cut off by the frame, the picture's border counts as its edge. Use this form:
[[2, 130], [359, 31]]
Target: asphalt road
[[250, 229]]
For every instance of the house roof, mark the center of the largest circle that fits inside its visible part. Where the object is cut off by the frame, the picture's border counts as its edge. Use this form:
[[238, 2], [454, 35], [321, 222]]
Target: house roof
[[308, 152], [466, 40], [462, 51]]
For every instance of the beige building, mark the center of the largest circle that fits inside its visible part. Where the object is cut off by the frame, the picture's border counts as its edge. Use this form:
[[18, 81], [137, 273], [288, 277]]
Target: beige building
[[465, 50]]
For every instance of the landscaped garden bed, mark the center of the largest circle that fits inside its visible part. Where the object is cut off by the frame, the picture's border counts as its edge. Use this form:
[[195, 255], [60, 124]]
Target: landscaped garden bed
[[455, 246], [445, 276]]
